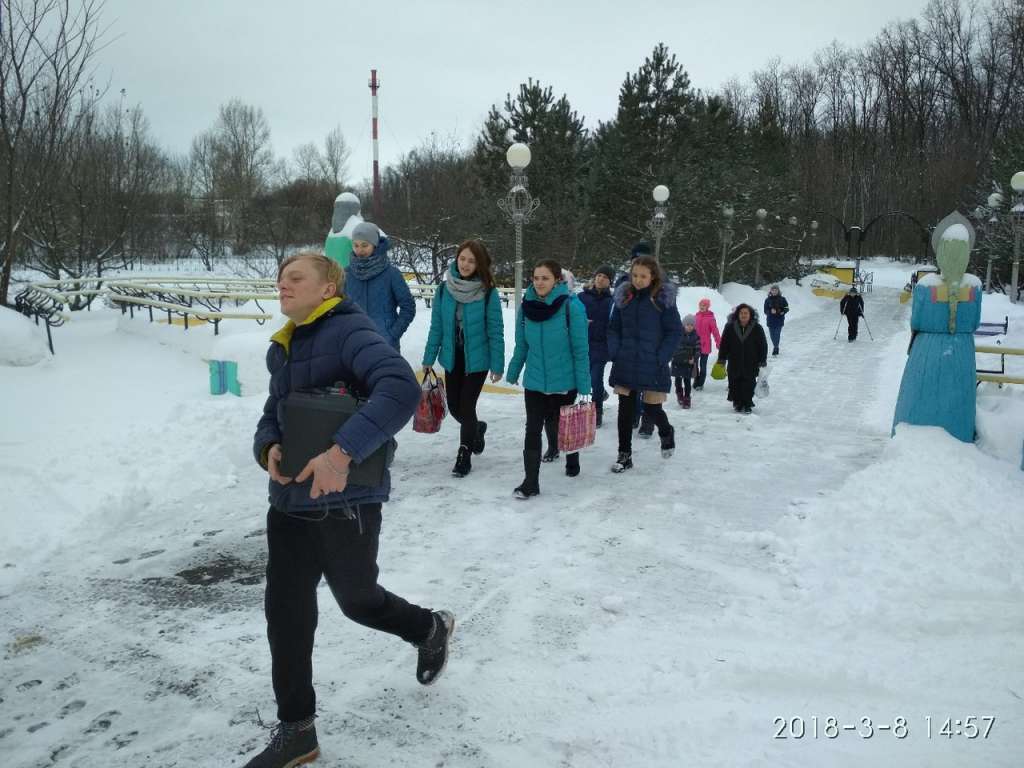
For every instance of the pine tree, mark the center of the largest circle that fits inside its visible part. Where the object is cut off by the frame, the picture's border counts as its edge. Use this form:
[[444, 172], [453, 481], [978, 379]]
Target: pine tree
[[559, 144]]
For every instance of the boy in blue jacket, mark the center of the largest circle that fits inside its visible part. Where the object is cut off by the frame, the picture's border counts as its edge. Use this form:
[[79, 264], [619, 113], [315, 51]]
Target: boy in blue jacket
[[319, 526]]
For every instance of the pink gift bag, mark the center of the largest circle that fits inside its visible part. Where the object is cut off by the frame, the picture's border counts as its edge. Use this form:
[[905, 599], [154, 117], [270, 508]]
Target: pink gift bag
[[577, 426]]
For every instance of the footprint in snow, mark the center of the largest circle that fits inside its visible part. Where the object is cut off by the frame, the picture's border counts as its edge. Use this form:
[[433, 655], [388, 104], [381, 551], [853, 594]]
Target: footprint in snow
[[70, 708], [29, 684], [102, 723], [151, 553], [122, 740]]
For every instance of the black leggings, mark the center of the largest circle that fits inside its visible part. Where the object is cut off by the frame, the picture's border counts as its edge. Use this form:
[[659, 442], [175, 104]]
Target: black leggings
[[463, 392], [542, 412], [680, 382], [627, 408]]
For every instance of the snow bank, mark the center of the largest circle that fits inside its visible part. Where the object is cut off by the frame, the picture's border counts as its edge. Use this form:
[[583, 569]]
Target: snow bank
[[22, 342], [929, 523], [802, 300], [1000, 422]]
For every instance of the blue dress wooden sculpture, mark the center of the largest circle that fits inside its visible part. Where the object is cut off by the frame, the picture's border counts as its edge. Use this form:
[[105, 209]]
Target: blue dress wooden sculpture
[[938, 386]]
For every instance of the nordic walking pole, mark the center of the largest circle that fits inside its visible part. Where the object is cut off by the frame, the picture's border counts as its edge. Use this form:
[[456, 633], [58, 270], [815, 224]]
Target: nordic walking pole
[[836, 334], [868, 327]]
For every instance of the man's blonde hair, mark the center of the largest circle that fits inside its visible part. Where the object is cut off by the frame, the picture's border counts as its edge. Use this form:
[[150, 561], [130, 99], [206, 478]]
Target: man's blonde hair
[[329, 270]]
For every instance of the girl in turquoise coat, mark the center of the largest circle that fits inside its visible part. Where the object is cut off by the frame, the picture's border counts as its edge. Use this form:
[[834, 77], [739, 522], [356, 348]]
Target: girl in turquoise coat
[[467, 335], [939, 380], [551, 341]]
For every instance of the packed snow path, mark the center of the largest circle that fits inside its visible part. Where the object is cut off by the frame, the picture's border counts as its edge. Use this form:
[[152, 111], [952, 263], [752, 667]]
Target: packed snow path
[[648, 619]]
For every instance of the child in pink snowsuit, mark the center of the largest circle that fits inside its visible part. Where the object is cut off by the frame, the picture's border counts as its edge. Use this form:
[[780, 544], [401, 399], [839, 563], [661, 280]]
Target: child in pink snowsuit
[[707, 327]]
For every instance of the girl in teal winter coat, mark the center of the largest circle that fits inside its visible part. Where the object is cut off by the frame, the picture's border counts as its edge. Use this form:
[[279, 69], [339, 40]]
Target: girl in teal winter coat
[[551, 341], [467, 335]]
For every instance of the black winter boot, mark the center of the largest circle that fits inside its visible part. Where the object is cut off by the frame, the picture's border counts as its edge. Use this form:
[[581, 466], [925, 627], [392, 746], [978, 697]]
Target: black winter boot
[[463, 465], [291, 744], [600, 415], [433, 655], [668, 443], [481, 430], [622, 463], [572, 464], [551, 430], [531, 484]]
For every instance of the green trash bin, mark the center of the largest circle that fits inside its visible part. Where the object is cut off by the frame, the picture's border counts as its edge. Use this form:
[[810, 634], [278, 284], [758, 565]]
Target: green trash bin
[[218, 385], [224, 378]]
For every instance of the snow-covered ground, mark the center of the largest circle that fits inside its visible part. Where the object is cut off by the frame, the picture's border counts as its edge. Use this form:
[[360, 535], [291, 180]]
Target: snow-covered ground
[[797, 563]]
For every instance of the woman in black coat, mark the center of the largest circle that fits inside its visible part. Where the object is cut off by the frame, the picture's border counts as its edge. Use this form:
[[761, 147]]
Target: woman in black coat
[[745, 349]]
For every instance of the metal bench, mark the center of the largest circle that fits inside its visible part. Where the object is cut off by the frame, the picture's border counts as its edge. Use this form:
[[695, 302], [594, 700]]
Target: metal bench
[[1000, 376], [994, 329]]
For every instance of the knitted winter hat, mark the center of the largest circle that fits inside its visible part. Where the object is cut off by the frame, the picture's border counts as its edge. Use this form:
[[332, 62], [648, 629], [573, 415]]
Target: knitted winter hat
[[689, 320], [704, 303], [607, 271], [366, 232], [641, 249]]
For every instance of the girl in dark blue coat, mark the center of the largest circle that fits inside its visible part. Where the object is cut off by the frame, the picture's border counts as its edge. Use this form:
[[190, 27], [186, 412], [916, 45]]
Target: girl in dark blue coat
[[319, 526], [643, 334], [597, 300]]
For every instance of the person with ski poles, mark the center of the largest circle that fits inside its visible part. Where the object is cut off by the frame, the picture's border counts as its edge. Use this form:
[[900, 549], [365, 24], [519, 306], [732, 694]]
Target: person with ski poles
[[852, 307]]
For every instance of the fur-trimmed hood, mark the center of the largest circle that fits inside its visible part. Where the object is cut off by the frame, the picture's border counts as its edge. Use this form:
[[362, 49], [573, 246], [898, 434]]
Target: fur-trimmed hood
[[666, 294]]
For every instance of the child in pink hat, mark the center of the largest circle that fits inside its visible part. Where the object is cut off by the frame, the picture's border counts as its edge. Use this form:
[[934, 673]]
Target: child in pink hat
[[707, 327]]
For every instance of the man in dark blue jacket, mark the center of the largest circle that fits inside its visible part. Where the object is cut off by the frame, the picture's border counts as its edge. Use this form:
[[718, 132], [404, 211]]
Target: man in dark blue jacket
[[318, 525], [597, 300]]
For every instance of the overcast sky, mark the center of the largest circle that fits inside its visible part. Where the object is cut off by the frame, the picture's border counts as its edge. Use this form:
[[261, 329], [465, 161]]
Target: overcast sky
[[441, 63]]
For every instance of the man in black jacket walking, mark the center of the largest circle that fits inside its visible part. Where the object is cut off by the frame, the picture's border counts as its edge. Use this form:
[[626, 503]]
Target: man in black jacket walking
[[852, 306]]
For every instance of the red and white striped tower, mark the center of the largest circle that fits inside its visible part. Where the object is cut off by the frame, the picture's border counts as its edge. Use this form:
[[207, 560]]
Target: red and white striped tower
[[374, 87]]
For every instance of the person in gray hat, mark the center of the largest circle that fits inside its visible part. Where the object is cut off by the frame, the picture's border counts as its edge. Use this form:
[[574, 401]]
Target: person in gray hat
[[377, 286], [684, 361]]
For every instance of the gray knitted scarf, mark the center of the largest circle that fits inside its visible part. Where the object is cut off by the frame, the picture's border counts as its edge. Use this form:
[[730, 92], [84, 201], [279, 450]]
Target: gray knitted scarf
[[741, 331], [465, 291]]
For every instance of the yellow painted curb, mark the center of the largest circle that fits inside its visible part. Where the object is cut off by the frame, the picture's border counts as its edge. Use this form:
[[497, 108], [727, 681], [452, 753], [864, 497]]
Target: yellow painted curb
[[493, 389]]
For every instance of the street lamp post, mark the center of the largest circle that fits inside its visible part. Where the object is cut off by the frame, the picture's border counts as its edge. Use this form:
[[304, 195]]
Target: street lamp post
[[854, 232], [761, 215], [659, 223], [727, 214], [1017, 220], [995, 202], [519, 205]]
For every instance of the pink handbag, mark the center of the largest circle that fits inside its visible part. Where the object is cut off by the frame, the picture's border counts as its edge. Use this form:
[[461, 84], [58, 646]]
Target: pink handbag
[[432, 407], [577, 426]]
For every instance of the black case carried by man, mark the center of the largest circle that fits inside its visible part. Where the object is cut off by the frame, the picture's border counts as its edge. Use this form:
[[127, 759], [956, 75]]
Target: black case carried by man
[[310, 421]]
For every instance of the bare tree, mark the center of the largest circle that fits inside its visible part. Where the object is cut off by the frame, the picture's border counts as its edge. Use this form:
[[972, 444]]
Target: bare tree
[[46, 47], [335, 158]]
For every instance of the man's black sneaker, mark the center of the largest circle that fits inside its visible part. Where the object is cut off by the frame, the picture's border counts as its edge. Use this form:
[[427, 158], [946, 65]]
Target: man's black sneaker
[[481, 430], [550, 455], [434, 650], [291, 745], [646, 431]]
